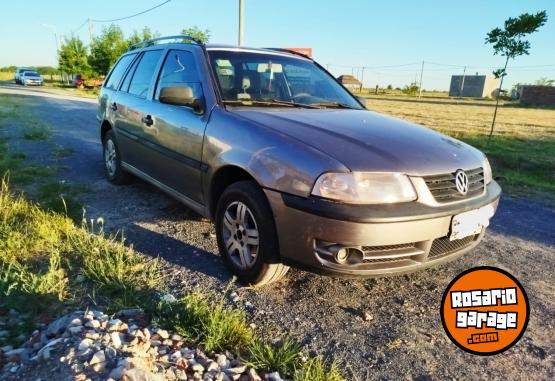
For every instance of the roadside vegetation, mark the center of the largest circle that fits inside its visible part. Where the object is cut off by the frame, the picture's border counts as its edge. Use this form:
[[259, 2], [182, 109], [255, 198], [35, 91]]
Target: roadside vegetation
[[53, 260], [49, 264]]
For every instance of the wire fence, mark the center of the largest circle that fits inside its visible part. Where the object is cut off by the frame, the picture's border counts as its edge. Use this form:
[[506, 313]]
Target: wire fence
[[434, 75]]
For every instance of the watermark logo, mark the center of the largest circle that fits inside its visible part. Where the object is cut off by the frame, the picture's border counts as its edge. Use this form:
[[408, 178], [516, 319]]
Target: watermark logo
[[485, 310]]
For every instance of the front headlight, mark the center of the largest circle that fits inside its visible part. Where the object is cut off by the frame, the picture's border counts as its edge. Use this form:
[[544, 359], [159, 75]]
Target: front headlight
[[488, 176], [365, 187]]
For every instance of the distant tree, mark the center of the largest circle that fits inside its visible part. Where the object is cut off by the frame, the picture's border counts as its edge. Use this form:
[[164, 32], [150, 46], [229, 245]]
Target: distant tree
[[545, 82], [107, 48], [8, 68], [509, 42], [201, 35], [72, 58], [389, 87], [47, 70], [411, 89], [144, 35]]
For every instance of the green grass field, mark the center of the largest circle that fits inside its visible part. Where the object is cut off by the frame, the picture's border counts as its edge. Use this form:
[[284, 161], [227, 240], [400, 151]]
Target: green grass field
[[522, 150]]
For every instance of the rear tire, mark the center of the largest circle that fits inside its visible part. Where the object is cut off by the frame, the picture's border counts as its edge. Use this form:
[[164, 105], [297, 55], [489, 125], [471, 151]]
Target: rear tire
[[112, 160], [246, 235]]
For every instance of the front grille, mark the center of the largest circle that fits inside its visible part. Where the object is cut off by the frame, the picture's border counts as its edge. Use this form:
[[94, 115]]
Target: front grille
[[443, 246], [444, 190]]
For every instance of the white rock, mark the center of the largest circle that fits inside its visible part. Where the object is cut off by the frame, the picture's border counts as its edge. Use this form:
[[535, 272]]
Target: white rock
[[223, 362], [97, 358], [197, 368], [163, 334], [175, 356], [93, 324], [76, 322], [117, 373], [253, 375], [84, 344], [236, 370], [212, 366], [75, 330], [116, 339]]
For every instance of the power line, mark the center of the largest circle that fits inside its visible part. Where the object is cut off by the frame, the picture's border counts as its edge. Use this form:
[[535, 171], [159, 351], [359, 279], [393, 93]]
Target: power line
[[133, 15], [79, 27]]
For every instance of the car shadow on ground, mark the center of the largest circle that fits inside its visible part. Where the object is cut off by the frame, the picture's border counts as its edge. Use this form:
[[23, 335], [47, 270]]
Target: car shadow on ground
[[526, 219]]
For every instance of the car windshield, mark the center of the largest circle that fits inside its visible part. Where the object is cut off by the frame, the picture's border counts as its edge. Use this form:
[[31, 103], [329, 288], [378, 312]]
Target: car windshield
[[31, 74], [266, 79]]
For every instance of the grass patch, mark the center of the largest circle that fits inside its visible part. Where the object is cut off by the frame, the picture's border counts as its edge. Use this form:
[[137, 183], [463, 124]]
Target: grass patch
[[206, 319], [12, 163], [283, 357], [60, 152], [523, 165], [61, 197], [42, 253], [317, 369], [36, 130]]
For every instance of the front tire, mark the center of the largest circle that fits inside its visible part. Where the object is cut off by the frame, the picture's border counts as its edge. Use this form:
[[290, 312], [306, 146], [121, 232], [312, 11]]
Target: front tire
[[112, 160], [246, 235]]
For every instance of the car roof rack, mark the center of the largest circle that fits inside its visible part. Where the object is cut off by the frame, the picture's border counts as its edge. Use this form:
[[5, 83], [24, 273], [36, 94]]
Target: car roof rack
[[152, 41], [284, 50]]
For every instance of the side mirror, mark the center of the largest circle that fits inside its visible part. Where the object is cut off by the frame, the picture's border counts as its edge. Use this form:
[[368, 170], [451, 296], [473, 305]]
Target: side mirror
[[362, 101], [181, 96]]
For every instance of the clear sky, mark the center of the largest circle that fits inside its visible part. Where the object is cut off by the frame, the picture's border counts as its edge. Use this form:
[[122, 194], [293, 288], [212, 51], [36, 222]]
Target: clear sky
[[343, 34]]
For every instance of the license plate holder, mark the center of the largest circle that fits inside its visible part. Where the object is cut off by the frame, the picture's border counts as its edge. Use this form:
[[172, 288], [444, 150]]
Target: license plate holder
[[470, 223]]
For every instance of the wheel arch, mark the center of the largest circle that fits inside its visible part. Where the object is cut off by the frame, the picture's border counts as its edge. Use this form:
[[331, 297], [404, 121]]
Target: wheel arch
[[223, 178], [104, 128]]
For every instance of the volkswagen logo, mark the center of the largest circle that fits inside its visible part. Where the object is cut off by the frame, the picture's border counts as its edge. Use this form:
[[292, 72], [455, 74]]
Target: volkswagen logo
[[461, 181]]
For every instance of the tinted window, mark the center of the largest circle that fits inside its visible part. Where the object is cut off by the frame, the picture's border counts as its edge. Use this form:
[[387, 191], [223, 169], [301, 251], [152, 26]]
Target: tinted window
[[180, 70], [118, 70], [128, 76], [143, 73]]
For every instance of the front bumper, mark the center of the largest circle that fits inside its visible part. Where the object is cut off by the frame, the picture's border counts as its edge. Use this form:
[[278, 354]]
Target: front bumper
[[394, 238]]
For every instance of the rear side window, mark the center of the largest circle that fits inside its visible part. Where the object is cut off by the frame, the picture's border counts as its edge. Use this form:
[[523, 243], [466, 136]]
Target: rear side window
[[118, 70], [140, 82], [179, 70]]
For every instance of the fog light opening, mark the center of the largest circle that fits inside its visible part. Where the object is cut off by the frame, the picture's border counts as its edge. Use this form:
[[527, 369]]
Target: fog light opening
[[350, 255]]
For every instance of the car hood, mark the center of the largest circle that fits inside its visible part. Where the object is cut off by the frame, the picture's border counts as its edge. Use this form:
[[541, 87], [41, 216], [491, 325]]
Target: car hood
[[363, 140]]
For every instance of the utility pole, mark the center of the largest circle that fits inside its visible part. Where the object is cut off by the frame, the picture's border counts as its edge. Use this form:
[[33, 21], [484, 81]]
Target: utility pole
[[89, 21], [462, 82], [241, 12], [420, 86], [361, 79]]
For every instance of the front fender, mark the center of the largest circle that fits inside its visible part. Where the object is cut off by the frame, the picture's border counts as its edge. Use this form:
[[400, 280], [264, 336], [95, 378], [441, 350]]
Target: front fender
[[276, 161]]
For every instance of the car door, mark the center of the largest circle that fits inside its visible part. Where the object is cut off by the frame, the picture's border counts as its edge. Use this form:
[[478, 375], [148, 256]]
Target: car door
[[132, 103], [177, 132]]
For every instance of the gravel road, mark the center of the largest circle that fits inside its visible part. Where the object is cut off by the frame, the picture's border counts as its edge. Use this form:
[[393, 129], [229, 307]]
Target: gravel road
[[401, 337]]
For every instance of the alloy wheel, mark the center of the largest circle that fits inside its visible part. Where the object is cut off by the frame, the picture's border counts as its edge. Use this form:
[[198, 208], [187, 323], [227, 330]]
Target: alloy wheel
[[240, 234]]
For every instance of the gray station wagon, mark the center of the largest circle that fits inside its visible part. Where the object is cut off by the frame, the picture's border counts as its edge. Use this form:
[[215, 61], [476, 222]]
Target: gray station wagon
[[292, 168]]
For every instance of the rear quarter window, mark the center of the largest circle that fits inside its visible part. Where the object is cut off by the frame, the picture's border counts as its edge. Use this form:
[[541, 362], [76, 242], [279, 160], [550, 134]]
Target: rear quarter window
[[118, 71]]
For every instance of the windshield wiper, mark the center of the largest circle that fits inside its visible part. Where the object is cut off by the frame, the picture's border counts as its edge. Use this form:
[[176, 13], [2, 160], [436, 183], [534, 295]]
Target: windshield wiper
[[333, 105], [267, 102]]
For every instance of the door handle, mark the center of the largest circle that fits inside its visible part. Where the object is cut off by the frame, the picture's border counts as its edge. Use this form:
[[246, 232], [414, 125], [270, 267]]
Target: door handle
[[114, 106], [147, 120]]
